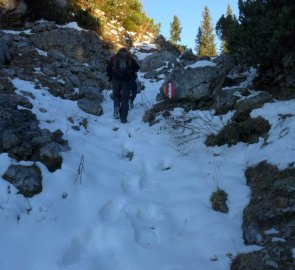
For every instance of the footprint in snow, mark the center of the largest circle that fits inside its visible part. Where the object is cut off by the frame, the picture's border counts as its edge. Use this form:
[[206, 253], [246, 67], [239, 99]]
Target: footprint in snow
[[112, 209], [131, 185], [165, 164], [146, 232]]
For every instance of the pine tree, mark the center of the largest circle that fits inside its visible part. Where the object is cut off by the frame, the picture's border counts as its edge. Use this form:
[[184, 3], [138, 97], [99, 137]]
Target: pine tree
[[175, 30], [229, 11], [198, 40], [206, 47], [223, 27]]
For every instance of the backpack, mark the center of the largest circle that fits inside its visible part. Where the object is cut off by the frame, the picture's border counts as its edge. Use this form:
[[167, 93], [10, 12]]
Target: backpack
[[122, 67]]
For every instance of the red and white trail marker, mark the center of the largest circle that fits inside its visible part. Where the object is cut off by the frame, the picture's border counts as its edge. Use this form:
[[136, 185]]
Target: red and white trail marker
[[169, 90]]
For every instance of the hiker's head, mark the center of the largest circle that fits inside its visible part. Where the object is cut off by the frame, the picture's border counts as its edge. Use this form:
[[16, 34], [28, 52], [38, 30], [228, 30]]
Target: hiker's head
[[123, 52]]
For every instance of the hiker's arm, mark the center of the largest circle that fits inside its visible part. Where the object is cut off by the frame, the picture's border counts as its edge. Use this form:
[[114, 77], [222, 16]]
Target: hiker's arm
[[135, 66]]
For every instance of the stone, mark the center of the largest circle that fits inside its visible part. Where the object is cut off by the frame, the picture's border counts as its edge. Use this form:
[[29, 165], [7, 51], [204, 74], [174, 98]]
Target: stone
[[194, 83], [50, 155], [90, 106], [27, 179], [157, 60], [90, 92], [247, 131]]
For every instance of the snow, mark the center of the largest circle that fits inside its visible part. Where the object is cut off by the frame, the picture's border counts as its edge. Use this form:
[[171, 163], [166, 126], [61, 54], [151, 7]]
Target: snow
[[147, 211], [201, 63], [73, 25], [13, 32], [271, 231], [41, 52]]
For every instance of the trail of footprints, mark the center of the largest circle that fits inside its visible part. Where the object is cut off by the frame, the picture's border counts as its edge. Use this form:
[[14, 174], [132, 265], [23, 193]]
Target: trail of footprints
[[142, 216]]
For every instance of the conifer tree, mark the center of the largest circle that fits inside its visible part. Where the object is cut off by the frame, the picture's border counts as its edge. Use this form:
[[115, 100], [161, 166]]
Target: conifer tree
[[198, 40], [229, 11], [175, 30], [206, 46]]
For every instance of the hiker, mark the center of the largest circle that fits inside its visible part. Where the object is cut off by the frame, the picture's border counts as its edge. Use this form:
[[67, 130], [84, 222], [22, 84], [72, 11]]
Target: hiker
[[121, 71], [4, 52]]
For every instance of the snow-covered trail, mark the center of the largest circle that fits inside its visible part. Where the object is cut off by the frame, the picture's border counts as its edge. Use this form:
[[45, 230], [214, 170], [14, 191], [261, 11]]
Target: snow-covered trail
[[137, 204]]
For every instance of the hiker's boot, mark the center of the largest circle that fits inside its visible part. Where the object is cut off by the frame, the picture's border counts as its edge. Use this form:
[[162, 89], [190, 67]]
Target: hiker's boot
[[124, 121], [116, 113]]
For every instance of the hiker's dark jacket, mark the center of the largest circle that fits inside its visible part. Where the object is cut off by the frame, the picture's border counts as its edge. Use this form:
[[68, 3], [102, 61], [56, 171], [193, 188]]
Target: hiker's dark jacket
[[134, 67]]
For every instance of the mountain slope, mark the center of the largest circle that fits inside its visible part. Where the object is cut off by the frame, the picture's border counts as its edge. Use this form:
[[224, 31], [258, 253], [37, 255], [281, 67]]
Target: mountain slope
[[134, 196]]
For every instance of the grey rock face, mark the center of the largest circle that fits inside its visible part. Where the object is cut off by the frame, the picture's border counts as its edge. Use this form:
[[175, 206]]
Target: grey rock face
[[195, 83], [84, 46], [27, 179], [21, 137], [157, 60], [90, 93], [4, 52], [269, 217], [245, 106]]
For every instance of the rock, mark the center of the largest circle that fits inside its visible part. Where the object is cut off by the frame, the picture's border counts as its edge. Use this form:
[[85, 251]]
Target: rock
[[84, 46], [274, 257], [268, 217], [6, 87], [12, 12], [157, 60], [164, 45], [42, 26], [254, 102], [90, 92], [226, 99], [195, 83], [234, 80], [50, 155], [90, 106], [20, 135], [188, 57], [27, 179], [10, 140], [247, 131], [225, 62]]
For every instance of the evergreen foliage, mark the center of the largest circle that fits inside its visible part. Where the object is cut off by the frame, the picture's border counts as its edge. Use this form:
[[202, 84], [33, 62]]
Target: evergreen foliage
[[175, 30], [205, 37], [128, 13], [265, 32], [198, 40], [223, 27]]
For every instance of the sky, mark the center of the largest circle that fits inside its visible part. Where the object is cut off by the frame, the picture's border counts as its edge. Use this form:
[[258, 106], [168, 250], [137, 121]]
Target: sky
[[190, 14]]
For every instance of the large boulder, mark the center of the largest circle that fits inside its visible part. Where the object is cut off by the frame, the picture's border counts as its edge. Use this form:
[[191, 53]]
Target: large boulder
[[21, 137], [268, 220], [27, 179], [84, 46], [158, 60], [91, 106], [12, 12], [201, 80]]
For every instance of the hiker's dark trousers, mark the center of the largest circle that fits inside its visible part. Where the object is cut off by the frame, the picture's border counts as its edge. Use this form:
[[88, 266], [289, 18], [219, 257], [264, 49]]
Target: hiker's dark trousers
[[121, 95]]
